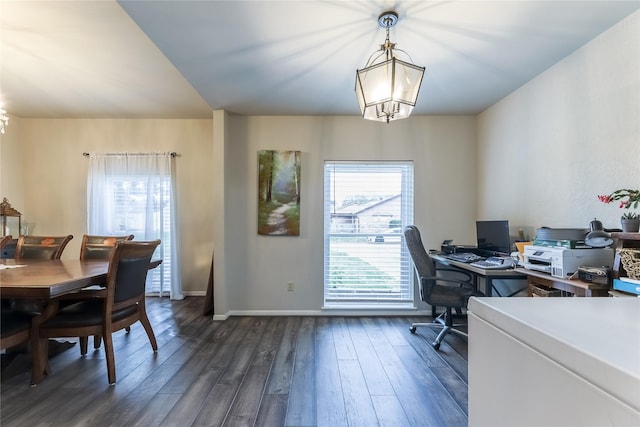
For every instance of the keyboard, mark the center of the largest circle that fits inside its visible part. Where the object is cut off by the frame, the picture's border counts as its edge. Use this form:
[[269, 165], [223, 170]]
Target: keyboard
[[494, 263], [466, 257]]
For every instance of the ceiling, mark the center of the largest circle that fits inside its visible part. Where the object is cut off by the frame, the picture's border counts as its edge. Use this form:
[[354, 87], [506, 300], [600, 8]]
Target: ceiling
[[181, 59]]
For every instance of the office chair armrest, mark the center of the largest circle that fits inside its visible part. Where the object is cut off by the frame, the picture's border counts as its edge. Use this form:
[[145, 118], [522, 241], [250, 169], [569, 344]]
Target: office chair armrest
[[441, 281], [430, 284], [456, 273]]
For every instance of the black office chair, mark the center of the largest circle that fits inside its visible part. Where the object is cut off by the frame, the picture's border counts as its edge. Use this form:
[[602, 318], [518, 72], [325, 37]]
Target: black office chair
[[441, 287]]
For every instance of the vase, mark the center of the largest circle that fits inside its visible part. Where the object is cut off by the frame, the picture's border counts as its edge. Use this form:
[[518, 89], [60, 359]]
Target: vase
[[630, 225]]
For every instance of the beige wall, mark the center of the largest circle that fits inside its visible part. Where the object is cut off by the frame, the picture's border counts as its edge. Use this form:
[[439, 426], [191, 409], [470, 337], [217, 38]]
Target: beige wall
[[538, 157], [44, 176], [257, 268], [11, 183], [548, 149]]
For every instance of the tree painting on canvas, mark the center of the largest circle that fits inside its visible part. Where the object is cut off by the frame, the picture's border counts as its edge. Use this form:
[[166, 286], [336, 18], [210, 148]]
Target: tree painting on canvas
[[279, 193]]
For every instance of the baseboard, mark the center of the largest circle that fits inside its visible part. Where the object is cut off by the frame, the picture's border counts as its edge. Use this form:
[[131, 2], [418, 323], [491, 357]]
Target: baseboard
[[194, 293], [325, 312]]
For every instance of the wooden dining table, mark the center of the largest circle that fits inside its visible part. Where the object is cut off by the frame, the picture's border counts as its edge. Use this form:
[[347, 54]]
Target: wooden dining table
[[43, 282], [39, 283], [48, 279]]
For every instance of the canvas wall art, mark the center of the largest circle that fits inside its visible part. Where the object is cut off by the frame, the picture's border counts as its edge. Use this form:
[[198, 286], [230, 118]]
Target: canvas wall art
[[279, 193]]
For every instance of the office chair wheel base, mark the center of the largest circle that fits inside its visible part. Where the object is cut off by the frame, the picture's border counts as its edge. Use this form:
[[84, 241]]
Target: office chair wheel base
[[412, 329], [436, 345]]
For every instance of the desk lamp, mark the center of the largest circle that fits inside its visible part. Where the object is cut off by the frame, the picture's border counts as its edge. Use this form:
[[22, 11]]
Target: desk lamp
[[597, 237]]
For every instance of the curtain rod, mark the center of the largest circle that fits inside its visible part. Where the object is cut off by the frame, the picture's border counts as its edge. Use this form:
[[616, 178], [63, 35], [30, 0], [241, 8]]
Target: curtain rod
[[173, 154]]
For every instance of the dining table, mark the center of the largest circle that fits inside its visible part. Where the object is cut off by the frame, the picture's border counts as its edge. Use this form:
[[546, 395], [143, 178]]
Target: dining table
[[40, 283], [48, 279]]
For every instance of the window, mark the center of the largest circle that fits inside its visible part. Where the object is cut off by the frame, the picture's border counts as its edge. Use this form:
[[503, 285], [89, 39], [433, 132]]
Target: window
[[366, 207], [133, 194]]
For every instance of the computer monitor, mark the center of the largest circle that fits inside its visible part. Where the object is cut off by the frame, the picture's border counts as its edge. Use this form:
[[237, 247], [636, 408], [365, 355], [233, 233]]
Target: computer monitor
[[493, 237]]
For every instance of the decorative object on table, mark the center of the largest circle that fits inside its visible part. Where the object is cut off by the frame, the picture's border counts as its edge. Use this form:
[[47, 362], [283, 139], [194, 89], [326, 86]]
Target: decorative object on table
[[11, 219], [387, 87], [597, 237], [630, 220], [600, 275], [631, 262], [630, 223], [279, 193]]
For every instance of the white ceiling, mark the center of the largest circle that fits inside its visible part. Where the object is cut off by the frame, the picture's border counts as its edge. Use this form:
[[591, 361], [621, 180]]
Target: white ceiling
[[184, 58]]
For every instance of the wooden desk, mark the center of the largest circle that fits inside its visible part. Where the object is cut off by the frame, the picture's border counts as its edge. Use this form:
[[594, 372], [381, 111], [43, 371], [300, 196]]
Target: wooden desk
[[45, 280], [575, 286], [489, 275]]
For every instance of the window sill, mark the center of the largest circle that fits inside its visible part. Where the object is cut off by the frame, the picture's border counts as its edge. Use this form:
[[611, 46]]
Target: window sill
[[370, 307]]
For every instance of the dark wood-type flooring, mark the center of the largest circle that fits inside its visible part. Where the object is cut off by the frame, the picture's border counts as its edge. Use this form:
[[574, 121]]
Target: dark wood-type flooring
[[245, 371]]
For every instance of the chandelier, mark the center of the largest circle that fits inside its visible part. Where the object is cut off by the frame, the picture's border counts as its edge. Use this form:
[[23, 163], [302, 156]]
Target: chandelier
[[4, 119], [387, 87]]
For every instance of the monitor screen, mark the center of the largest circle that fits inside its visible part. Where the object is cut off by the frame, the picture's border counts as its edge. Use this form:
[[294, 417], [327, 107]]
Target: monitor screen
[[493, 236]]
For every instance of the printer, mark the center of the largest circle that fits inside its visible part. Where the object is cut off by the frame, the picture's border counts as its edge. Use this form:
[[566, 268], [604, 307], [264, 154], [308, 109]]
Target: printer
[[563, 262]]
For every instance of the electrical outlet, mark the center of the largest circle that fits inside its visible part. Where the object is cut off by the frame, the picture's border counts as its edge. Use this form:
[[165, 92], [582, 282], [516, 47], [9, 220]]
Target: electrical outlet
[[289, 286]]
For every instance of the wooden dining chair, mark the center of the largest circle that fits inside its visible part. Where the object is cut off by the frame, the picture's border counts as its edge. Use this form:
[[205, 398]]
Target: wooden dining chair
[[41, 247], [99, 247], [14, 329], [94, 247], [120, 304], [5, 240], [7, 247]]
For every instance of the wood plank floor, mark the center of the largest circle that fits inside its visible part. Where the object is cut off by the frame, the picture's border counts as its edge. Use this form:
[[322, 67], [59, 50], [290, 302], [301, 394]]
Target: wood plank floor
[[246, 371]]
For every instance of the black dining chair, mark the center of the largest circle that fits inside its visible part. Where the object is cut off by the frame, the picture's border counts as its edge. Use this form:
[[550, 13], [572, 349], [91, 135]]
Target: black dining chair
[[120, 304]]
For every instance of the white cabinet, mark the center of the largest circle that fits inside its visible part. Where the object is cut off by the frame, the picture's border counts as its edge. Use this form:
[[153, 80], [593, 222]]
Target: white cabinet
[[554, 362]]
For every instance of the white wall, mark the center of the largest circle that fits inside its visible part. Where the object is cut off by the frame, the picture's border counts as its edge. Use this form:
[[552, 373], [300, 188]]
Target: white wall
[[257, 268], [549, 148], [44, 176]]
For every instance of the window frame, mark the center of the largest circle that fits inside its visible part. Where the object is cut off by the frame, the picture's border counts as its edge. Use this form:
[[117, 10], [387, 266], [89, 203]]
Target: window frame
[[365, 296]]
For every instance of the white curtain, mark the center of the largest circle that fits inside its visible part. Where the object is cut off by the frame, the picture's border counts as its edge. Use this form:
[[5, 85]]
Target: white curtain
[[134, 193]]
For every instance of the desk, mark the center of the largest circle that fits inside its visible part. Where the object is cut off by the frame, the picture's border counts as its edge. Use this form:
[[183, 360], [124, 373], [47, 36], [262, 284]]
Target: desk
[[575, 286], [489, 275]]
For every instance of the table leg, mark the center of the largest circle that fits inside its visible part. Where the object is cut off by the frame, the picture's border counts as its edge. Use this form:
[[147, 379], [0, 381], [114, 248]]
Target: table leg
[[40, 346]]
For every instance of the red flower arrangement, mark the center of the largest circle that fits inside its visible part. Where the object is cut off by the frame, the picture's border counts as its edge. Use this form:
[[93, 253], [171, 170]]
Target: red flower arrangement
[[628, 199]]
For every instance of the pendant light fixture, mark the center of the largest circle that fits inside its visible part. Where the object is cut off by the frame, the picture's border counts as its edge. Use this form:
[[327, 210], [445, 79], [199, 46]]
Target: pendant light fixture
[[387, 87]]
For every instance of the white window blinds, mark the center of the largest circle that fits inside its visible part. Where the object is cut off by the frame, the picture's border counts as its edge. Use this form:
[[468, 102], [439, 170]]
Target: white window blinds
[[366, 207]]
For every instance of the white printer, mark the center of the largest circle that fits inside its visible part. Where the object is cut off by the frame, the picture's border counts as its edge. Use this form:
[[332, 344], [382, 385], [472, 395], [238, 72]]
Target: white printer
[[563, 262]]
